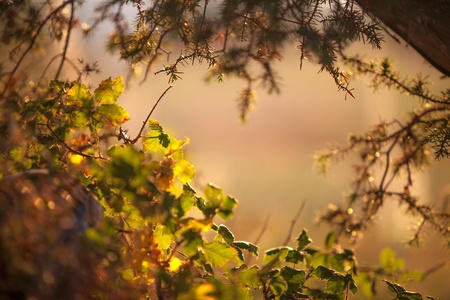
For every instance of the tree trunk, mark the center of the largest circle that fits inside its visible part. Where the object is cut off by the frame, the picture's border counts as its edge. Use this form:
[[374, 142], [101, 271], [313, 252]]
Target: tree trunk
[[425, 25]]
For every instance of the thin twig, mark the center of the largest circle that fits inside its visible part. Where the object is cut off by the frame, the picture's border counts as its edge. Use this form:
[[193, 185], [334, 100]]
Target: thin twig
[[71, 149], [150, 63], [293, 222], [66, 44], [261, 233], [33, 40], [274, 261], [388, 161], [50, 63], [134, 141], [204, 12]]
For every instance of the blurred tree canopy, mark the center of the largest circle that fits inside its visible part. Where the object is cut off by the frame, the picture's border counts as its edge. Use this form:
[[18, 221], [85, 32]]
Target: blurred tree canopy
[[149, 243]]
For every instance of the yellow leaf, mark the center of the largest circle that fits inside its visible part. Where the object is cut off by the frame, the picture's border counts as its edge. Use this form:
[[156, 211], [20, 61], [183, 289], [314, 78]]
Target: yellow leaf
[[175, 264], [76, 159], [184, 171], [204, 291], [165, 182]]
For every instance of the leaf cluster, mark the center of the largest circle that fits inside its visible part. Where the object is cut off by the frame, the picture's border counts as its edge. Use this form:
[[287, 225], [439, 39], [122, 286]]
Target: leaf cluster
[[162, 247]]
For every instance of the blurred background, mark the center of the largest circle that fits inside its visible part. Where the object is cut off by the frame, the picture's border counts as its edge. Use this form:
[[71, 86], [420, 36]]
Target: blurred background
[[268, 163]]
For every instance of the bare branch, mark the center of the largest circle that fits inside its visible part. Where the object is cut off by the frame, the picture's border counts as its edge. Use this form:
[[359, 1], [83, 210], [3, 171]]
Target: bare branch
[[148, 117], [66, 44]]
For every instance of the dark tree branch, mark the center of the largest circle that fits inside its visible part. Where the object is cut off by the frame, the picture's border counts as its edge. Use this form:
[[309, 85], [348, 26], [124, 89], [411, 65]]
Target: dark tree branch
[[66, 44], [30, 46]]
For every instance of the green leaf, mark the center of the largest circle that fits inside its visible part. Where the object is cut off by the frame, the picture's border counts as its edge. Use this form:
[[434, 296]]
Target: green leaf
[[416, 275], [303, 240], [352, 284], [151, 142], [59, 86], [409, 296], [365, 284], [278, 285], [183, 204], [294, 257], [79, 119], [323, 273], [163, 236], [249, 276], [337, 284], [126, 160], [389, 262], [157, 139], [114, 114], [226, 234], [79, 95], [218, 253], [387, 256], [308, 260], [127, 274], [213, 194], [187, 188], [164, 140], [294, 278], [206, 208], [228, 203], [192, 244], [184, 171], [394, 287], [154, 126], [226, 207], [109, 91], [253, 249], [280, 253], [330, 240]]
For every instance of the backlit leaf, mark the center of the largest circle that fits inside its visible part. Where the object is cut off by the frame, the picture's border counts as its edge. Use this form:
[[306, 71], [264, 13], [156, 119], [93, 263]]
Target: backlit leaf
[[249, 276], [163, 236], [226, 207], [226, 234], [184, 171], [252, 248], [274, 253], [303, 240], [294, 257], [323, 273], [330, 240], [154, 126], [395, 287], [79, 119], [109, 91], [213, 194], [337, 284], [125, 158], [59, 86], [294, 278], [183, 204], [79, 95], [114, 114], [174, 264], [218, 253], [278, 285], [151, 143], [409, 296]]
